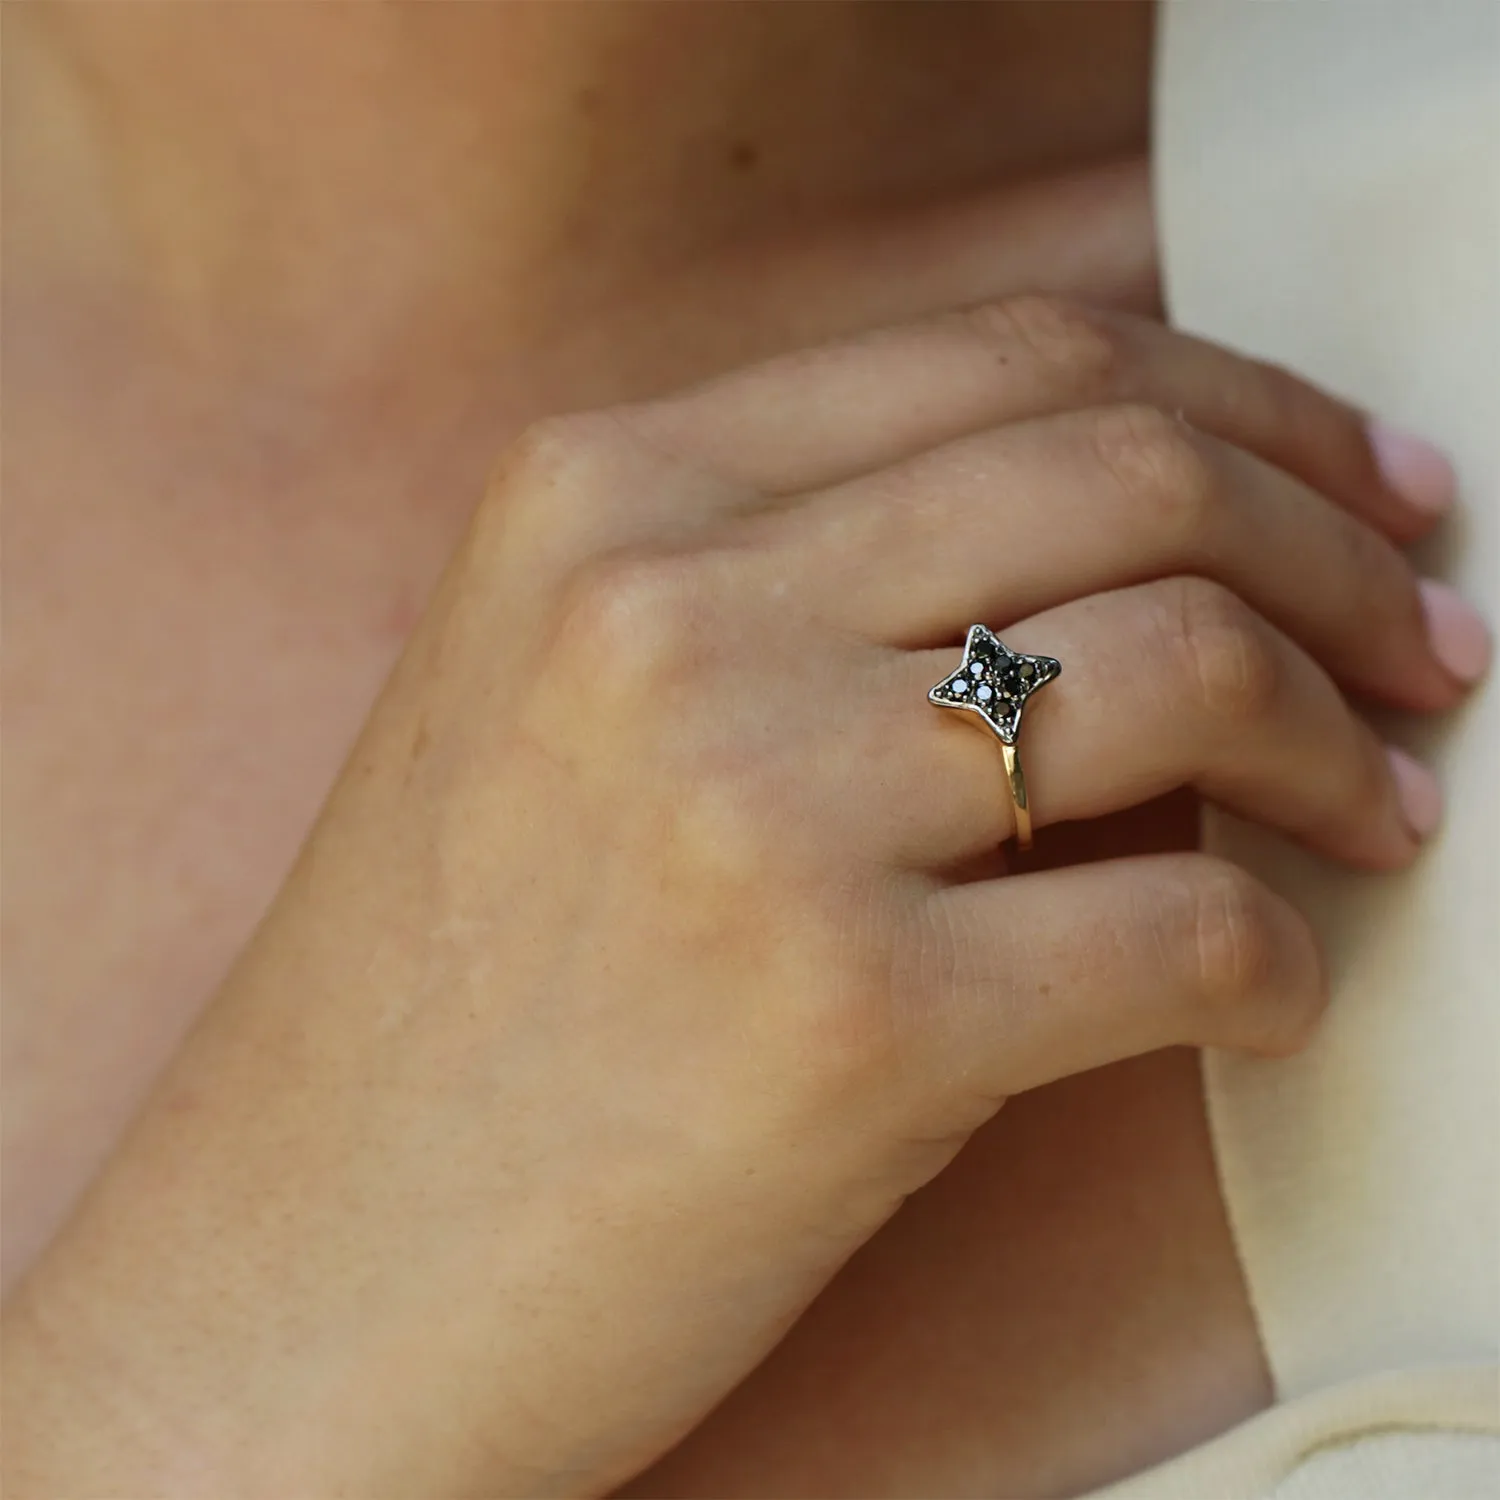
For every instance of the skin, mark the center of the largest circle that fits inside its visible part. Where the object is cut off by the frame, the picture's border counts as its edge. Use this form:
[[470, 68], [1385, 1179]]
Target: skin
[[170, 738], [603, 954], [936, 253]]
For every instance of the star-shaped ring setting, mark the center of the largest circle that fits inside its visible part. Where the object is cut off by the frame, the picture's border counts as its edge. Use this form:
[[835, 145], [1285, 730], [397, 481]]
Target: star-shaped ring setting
[[994, 682]]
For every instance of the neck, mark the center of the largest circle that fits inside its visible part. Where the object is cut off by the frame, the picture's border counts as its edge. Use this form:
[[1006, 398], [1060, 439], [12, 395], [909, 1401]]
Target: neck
[[238, 171], [328, 189]]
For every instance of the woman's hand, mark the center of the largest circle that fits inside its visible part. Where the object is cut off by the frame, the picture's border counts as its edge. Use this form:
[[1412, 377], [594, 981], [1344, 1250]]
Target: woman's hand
[[638, 969]]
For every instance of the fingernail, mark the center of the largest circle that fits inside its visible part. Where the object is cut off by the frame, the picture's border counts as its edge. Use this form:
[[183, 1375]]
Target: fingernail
[[1417, 471], [1418, 793], [1458, 635]]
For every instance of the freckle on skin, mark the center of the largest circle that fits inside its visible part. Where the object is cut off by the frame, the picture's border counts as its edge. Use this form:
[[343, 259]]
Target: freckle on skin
[[744, 156]]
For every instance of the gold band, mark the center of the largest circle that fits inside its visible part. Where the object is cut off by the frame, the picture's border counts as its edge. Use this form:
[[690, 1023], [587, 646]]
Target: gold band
[[993, 682], [1015, 779]]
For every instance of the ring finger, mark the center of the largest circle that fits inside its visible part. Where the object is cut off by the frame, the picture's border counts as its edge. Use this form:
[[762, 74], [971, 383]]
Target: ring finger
[[1164, 685]]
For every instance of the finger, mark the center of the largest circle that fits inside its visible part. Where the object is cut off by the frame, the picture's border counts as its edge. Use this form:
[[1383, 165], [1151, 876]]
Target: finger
[[1176, 683], [1004, 523], [1030, 978], [826, 415]]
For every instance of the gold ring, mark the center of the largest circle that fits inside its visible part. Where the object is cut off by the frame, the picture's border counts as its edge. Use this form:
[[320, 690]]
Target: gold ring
[[994, 682]]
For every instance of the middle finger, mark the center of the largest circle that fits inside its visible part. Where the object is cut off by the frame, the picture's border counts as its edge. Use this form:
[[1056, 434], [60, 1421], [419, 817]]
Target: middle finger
[[1000, 525]]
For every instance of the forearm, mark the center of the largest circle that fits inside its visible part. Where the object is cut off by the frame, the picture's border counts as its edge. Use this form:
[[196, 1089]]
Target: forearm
[[260, 1296], [228, 1313], [163, 1346]]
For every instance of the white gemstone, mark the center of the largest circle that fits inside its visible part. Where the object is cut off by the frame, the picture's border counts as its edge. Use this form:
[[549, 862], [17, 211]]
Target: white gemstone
[[977, 668], [959, 685], [985, 693]]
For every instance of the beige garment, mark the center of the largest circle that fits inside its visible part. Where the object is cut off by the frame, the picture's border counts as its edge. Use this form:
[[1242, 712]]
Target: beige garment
[[1329, 186], [1335, 1444]]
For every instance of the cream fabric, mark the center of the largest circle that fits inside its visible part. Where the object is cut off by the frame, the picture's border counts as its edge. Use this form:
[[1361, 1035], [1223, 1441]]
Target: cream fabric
[[1329, 185], [1328, 1444], [1395, 1465]]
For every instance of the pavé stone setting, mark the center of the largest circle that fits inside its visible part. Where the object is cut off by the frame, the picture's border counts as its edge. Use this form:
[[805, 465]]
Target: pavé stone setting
[[1002, 680]]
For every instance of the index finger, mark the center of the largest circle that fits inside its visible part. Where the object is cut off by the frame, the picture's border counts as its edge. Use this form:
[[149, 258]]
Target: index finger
[[825, 415]]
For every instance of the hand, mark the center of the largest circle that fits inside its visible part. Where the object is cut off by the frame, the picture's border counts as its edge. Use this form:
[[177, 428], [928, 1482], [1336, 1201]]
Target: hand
[[632, 977]]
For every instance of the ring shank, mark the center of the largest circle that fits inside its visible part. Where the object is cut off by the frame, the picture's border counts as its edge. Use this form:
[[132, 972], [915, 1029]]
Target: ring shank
[[1015, 779]]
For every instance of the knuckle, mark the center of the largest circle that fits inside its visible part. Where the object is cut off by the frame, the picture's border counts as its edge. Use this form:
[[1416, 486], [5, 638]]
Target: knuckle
[[1160, 466], [1222, 651], [1073, 344], [558, 450], [550, 484], [1257, 978], [1235, 952], [641, 613]]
